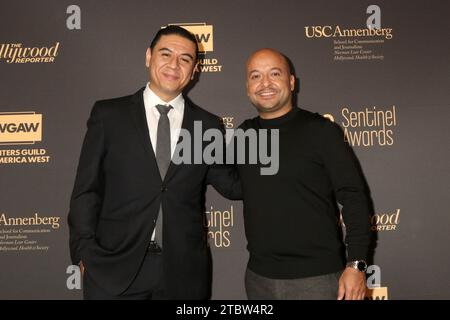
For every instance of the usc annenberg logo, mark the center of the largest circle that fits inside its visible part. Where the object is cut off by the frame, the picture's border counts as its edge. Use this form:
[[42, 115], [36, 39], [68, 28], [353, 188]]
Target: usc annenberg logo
[[20, 128], [203, 33], [337, 31]]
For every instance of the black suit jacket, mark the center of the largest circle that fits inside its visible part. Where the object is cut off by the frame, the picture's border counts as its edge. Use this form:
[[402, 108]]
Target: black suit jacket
[[117, 194]]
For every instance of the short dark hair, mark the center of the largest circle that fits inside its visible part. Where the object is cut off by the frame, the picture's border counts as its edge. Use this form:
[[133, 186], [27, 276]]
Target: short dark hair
[[173, 29]]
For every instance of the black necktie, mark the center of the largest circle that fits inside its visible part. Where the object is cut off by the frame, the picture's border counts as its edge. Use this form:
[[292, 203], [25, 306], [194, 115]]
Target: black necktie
[[163, 152]]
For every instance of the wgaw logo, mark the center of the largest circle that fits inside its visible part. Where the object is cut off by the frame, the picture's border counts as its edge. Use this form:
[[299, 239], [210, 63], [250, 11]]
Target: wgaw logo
[[20, 128], [203, 33], [205, 38]]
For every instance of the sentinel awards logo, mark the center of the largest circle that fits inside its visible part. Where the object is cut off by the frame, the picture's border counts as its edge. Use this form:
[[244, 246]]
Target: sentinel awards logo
[[18, 53], [204, 33], [368, 127], [21, 129], [219, 224]]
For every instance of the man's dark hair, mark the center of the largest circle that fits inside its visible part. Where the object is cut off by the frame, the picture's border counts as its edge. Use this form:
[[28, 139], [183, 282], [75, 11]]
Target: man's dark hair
[[177, 30]]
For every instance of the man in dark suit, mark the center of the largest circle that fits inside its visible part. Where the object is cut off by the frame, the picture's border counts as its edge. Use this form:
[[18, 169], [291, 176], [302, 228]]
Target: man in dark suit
[[136, 223]]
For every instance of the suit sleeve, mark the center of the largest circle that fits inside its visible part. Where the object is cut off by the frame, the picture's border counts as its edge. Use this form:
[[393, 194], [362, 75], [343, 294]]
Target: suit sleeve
[[350, 190], [86, 199]]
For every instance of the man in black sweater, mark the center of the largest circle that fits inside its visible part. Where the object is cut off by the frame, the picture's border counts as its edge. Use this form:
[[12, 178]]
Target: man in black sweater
[[291, 217]]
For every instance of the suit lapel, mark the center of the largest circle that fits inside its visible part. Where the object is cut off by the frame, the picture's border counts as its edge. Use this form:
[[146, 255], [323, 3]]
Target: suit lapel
[[140, 121], [187, 124]]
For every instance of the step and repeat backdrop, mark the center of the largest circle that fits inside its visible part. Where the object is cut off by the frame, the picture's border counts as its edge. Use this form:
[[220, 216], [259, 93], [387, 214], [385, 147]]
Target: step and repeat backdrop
[[380, 69]]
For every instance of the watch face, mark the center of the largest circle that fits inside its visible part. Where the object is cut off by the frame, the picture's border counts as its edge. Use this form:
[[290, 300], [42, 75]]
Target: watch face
[[362, 266]]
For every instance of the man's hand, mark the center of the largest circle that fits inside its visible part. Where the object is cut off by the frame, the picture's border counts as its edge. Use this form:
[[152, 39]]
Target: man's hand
[[352, 285], [81, 268]]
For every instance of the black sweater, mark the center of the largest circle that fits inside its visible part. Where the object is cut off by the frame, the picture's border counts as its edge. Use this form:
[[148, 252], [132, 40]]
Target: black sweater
[[291, 218]]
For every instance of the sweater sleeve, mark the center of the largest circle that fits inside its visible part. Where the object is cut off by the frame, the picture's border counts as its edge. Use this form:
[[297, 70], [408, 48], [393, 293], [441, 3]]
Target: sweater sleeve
[[350, 189]]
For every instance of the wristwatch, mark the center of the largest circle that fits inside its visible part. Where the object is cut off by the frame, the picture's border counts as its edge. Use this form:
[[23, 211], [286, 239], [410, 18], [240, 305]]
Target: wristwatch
[[359, 265]]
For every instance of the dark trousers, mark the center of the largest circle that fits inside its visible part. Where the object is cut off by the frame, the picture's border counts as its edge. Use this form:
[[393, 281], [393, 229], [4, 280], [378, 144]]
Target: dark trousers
[[323, 287], [146, 285]]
